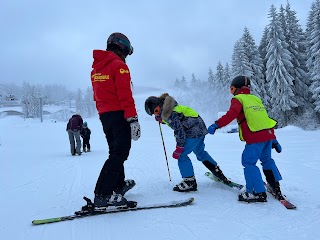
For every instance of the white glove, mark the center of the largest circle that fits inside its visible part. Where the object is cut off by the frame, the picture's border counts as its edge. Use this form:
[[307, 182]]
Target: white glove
[[135, 128]]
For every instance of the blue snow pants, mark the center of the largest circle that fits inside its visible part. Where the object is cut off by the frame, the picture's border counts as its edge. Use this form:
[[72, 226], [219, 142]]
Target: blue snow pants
[[195, 145], [251, 154]]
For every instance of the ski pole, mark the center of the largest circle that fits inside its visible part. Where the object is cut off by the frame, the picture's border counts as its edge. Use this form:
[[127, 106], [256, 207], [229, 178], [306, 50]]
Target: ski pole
[[165, 152]]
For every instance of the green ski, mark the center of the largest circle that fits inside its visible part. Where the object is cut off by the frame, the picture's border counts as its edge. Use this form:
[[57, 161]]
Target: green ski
[[231, 184], [82, 214]]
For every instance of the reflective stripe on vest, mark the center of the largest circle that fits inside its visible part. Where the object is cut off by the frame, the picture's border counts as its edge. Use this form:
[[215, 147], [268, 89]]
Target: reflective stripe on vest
[[255, 113]]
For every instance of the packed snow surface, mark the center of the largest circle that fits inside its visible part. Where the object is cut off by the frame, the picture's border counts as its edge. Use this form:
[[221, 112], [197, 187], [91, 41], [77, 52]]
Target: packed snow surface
[[40, 179]]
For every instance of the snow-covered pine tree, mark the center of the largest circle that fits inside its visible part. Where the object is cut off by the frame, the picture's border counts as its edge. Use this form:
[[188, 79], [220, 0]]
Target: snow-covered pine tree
[[30, 100], [277, 71], [240, 62], [195, 91], [227, 74], [256, 65], [263, 53], [209, 92], [313, 52], [282, 21], [295, 38], [210, 77], [25, 101], [219, 80], [183, 83], [221, 89], [33, 103], [177, 83], [263, 48], [56, 94], [194, 82], [207, 101], [89, 104]]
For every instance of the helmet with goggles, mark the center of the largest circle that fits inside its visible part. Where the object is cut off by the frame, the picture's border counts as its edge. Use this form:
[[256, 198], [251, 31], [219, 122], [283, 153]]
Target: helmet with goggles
[[122, 42], [152, 105]]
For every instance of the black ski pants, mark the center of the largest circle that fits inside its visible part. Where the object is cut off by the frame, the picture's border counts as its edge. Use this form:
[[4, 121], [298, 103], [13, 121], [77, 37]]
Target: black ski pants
[[118, 134], [86, 143]]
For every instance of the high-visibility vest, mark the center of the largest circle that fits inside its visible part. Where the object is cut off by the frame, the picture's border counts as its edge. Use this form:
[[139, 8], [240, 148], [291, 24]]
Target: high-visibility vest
[[255, 114], [185, 110]]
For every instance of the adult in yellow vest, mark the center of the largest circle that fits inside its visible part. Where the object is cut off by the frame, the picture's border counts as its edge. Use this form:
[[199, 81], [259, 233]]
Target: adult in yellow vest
[[257, 130], [189, 131]]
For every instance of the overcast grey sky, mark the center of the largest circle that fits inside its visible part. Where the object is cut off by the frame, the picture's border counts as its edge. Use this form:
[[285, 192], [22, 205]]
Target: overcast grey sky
[[46, 41]]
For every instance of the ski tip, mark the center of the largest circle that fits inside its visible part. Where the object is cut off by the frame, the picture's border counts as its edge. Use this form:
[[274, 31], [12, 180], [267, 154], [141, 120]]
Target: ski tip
[[191, 199], [44, 221], [288, 204]]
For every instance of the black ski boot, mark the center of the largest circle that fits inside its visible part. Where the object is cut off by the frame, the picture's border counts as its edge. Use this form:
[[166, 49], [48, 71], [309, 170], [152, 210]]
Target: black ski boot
[[273, 187], [252, 197], [187, 185], [114, 199], [128, 184], [216, 171], [89, 207], [275, 191]]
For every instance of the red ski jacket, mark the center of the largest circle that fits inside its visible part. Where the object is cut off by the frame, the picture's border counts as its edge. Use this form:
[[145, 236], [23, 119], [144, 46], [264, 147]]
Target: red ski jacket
[[236, 112], [111, 83]]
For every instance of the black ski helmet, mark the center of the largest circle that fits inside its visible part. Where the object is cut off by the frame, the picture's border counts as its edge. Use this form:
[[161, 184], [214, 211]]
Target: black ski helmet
[[240, 81], [150, 104], [122, 42]]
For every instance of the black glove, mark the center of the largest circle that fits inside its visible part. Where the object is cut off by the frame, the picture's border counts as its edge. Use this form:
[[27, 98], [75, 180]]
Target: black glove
[[276, 145], [135, 127]]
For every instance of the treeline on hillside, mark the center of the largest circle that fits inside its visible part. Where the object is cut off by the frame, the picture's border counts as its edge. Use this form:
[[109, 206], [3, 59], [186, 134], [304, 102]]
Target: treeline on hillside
[[30, 97], [284, 70]]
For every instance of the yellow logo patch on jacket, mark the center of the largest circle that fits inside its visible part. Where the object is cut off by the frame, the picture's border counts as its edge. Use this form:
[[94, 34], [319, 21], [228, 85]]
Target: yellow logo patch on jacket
[[99, 78], [122, 71]]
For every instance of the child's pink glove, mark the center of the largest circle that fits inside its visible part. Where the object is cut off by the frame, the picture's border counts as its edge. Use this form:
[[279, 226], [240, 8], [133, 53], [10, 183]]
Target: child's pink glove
[[176, 154]]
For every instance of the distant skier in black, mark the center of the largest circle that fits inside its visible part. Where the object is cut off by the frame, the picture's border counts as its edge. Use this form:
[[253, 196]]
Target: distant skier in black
[[73, 128], [85, 134]]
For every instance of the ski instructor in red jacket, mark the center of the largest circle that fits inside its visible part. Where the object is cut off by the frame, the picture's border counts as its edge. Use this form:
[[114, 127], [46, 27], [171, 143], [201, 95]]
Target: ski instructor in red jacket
[[111, 84]]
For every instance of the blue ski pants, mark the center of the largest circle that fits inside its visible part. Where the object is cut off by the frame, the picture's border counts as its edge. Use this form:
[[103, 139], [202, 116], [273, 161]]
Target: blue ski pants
[[195, 145], [251, 154]]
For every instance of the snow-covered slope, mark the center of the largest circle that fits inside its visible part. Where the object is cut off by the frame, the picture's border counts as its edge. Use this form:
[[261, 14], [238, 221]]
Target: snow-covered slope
[[40, 179]]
